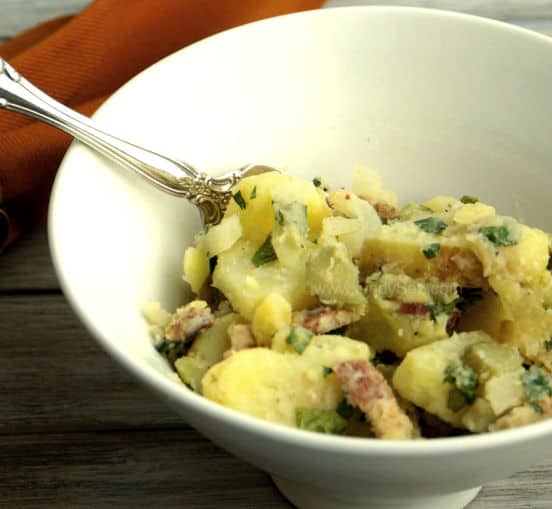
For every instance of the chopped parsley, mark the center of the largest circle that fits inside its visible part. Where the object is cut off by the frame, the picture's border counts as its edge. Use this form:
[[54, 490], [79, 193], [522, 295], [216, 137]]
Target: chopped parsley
[[299, 338], [465, 384], [537, 386], [265, 253], [177, 348], [431, 250], [322, 421], [498, 235], [431, 225], [238, 198], [438, 308], [344, 409], [253, 194], [548, 344], [326, 371], [469, 199], [316, 182]]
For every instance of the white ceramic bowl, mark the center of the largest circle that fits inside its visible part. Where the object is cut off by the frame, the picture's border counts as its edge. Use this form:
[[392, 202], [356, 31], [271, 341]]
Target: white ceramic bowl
[[437, 102]]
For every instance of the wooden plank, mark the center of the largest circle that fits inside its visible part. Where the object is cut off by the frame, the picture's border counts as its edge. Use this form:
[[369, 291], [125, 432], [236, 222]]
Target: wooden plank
[[27, 265], [530, 489], [499, 9], [175, 469], [54, 377], [17, 15], [169, 469]]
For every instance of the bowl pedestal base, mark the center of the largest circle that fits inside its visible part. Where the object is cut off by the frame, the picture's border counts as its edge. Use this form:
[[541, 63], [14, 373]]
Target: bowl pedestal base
[[308, 497]]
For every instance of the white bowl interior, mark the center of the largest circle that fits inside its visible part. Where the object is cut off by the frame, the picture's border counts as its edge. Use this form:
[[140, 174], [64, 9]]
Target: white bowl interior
[[437, 103]]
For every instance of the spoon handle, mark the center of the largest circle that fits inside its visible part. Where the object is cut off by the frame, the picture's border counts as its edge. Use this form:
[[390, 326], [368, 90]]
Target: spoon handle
[[175, 177]]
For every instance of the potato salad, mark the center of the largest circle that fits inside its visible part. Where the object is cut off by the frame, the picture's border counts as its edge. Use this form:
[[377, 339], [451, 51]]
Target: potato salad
[[337, 311]]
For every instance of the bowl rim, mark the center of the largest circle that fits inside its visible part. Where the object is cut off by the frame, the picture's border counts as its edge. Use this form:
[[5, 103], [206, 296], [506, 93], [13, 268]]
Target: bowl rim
[[181, 395]]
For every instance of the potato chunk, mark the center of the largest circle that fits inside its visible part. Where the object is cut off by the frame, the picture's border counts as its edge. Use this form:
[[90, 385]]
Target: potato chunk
[[420, 376], [491, 359], [245, 285], [271, 385], [272, 314], [257, 219], [398, 315]]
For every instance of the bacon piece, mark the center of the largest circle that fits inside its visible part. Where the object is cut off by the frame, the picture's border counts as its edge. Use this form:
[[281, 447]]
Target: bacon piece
[[452, 322], [367, 389], [189, 319], [413, 308], [384, 209], [241, 337], [324, 319]]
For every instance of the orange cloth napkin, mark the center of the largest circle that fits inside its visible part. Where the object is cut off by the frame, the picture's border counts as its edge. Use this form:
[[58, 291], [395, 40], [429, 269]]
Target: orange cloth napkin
[[80, 61]]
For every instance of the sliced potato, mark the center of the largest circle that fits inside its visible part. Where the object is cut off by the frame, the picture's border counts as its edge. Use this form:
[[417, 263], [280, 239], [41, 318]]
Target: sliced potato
[[245, 285], [271, 315], [195, 268], [420, 376]]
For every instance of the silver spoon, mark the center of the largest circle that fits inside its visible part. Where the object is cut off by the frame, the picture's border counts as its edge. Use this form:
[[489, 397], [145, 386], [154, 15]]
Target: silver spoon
[[210, 194]]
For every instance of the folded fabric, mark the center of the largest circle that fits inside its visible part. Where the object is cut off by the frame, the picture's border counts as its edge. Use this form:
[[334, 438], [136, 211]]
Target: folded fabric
[[80, 61]]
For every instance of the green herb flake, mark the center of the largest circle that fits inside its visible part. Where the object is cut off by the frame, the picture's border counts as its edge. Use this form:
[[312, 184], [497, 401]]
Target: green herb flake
[[344, 409], [498, 235], [299, 338], [548, 344], [253, 194], [175, 348], [465, 382], [326, 371], [431, 225], [469, 199], [536, 385], [321, 421], [438, 308], [431, 250], [238, 198], [316, 182], [265, 253]]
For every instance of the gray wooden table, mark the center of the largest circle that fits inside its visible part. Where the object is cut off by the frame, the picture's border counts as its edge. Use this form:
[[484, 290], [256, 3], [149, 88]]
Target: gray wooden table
[[77, 431]]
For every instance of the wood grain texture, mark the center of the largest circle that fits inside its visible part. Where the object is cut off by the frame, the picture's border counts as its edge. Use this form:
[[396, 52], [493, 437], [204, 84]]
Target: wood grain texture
[[158, 469], [174, 469], [18, 15], [54, 377], [27, 265]]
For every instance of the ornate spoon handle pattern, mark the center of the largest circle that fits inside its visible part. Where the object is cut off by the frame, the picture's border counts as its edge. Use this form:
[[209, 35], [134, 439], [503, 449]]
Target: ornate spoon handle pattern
[[209, 194]]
